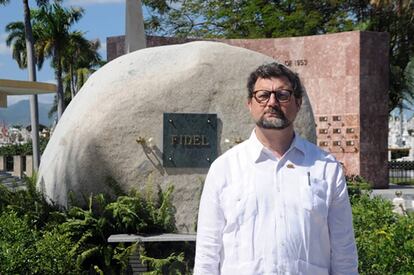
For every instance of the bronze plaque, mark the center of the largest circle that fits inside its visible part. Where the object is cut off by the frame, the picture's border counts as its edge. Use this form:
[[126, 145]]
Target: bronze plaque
[[189, 140]]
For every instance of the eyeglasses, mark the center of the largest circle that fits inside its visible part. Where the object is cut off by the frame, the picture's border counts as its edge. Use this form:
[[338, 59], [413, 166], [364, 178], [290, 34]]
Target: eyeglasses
[[263, 96]]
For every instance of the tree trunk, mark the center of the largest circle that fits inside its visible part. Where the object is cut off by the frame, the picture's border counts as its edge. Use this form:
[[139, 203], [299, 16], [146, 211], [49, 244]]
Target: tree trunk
[[72, 83], [31, 67], [60, 94]]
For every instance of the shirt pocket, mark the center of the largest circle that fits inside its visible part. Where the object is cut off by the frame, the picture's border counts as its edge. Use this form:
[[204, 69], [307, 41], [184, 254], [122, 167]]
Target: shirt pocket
[[313, 195]]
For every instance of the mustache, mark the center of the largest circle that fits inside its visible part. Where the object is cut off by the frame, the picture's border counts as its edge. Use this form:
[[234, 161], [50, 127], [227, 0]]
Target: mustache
[[274, 110]]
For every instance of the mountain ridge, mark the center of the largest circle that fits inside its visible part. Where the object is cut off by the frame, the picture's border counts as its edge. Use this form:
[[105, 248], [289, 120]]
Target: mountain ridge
[[19, 114]]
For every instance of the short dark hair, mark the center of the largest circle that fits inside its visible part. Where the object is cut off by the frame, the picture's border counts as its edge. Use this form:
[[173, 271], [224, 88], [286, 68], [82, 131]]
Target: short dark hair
[[271, 70]]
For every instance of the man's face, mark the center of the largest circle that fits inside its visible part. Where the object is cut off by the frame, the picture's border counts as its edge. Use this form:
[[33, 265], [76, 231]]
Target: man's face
[[273, 114]]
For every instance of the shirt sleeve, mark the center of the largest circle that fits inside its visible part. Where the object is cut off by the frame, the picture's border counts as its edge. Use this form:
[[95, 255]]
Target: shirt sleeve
[[210, 226], [344, 258]]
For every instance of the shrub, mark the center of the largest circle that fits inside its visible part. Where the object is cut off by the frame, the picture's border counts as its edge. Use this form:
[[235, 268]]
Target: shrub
[[30, 203], [357, 186], [39, 238], [54, 255], [17, 251], [385, 240]]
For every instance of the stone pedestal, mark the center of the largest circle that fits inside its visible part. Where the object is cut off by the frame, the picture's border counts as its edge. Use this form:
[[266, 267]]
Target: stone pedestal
[[2, 163], [29, 166], [17, 167]]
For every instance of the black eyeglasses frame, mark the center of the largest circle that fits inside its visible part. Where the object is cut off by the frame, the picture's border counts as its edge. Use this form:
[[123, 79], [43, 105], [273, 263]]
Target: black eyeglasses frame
[[276, 92]]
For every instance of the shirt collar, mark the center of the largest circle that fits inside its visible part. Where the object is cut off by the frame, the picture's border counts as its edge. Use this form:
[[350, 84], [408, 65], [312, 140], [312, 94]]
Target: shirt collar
[[257, 149]]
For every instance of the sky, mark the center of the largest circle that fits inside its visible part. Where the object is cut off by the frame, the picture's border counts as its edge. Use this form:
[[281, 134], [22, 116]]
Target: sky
[[101, 19]]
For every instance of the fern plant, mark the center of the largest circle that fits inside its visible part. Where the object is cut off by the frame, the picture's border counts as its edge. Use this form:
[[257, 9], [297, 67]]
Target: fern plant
[[74, 240], [136, 213], [172, 265]]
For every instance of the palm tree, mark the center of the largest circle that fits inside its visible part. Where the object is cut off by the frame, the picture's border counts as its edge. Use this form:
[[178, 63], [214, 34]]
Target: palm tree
[[34, 109], [80, 57], [80, 60], [17, 40], [52, 25]]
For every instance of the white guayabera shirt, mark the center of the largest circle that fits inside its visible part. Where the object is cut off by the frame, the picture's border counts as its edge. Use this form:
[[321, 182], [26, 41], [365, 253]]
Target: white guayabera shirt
[[263, 215]]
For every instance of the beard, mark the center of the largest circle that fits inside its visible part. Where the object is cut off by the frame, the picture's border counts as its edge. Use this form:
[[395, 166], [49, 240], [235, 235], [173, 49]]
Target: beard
[[278, 122]]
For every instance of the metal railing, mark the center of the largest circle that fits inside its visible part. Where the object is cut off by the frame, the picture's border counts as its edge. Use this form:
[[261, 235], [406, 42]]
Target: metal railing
[[401, 172]]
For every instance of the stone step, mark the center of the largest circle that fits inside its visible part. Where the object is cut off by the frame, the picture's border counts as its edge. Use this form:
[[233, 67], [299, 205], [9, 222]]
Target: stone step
[[2, 177], [4, 173], [10, 181]]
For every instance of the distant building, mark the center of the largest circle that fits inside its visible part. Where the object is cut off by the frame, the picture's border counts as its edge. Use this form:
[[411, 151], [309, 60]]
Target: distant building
[[401, 138], [19, 135]]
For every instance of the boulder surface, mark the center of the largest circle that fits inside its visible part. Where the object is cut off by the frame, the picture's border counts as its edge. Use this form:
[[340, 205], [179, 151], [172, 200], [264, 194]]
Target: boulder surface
[[94, 144]]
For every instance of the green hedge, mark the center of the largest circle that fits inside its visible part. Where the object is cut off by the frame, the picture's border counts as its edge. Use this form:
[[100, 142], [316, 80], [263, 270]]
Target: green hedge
[[39, 238], [22, 149]]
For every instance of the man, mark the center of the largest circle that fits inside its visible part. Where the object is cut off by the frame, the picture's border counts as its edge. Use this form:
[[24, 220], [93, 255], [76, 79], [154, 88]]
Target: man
[[275, 204]]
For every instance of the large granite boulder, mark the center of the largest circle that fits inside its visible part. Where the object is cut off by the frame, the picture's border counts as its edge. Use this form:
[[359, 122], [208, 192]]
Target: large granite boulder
[[95, 144]]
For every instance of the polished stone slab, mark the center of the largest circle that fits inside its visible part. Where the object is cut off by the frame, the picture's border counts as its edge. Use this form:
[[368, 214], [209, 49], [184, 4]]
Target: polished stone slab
[[168, 237]]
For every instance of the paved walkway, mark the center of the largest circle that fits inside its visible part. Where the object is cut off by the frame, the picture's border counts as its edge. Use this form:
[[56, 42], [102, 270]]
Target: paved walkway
[[407, 191]]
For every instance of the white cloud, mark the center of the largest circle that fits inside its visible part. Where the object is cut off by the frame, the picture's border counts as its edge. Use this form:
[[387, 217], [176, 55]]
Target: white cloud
[[3, 47], [92, 2]]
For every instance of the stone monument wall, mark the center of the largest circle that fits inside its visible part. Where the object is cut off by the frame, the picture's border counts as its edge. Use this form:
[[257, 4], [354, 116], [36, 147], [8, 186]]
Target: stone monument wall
[[346, 77]]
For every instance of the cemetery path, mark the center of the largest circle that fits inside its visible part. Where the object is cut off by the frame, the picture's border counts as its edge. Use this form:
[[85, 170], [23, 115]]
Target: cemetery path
[[407, 192]]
